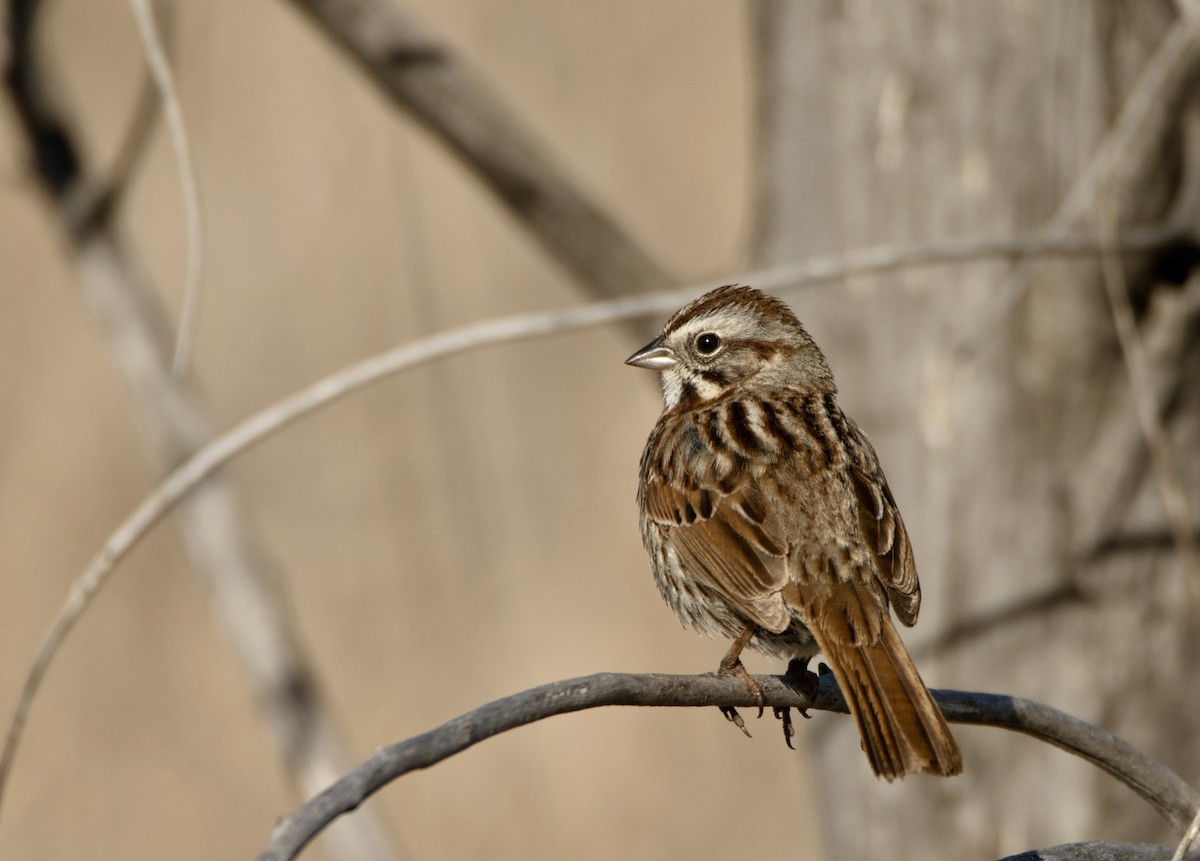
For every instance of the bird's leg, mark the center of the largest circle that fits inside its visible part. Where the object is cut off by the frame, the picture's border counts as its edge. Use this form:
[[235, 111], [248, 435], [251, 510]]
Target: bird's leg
[[731, 665]]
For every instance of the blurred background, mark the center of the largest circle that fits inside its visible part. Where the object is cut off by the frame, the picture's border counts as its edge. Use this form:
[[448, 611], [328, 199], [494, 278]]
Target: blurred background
[[467, 530]]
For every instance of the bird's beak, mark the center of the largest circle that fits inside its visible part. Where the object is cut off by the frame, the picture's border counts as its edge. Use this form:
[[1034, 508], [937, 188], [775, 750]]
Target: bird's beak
[[654, 356]]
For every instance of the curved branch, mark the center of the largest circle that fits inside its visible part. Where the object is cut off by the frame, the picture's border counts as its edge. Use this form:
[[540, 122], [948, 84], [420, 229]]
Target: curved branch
[[1098, 851], [164, 81], [1162, 788]]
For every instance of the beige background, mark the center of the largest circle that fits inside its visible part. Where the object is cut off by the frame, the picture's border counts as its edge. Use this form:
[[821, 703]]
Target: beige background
[[467, 530], [459, 533]]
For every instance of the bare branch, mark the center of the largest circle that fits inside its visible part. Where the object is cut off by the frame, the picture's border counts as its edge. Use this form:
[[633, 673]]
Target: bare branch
[[1136, 541], [420, 74], [1096, 852], [160, 73], [979, 625], [118, 176], [1189, 837], [204, 462], [1154, 782]]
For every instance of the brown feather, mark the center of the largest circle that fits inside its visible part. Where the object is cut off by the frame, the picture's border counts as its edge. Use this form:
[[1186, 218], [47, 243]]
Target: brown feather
[[887, 542], [739, 557], [902, 728]]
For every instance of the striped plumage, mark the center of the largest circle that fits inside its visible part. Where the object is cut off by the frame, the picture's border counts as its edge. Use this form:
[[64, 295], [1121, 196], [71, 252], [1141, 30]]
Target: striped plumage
[[763, 504]]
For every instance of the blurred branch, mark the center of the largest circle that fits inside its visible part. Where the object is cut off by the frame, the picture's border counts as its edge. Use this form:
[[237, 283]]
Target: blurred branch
[[1069, 593], [1136, 541], [1163, 789], [208, 459], [118, 177], [160, 73], [1146, 410], [979, 625], [173, 416], [419, 73]]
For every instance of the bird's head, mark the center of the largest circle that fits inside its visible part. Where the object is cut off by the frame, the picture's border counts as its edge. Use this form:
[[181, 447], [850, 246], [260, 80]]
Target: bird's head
[[733, 338]]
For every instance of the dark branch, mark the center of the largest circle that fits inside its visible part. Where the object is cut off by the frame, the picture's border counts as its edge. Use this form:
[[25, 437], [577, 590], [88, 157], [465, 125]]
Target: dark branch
[[1023, 608], [1164, 790], [55, 156], [1096, 852], [135, 140], [1135, 541]]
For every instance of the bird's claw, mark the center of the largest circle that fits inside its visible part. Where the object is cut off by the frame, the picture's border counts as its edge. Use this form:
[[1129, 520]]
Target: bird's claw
[[731, 715], [784, 714], [737, 669]]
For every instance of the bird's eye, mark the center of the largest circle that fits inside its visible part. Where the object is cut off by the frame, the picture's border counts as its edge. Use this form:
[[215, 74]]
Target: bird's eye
[[708, 343]]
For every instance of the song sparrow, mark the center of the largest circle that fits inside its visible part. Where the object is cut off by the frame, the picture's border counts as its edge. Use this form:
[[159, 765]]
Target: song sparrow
[[768, 520]]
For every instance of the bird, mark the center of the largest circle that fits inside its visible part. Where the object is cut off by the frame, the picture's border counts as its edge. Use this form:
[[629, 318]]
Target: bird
[[768, 520]]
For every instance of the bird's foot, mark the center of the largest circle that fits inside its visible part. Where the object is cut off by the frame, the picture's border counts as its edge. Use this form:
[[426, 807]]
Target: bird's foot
[[799, 677], [733, 666]]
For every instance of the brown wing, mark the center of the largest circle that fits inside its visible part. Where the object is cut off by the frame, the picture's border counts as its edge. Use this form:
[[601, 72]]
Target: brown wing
[[884, 532], [729, 542]]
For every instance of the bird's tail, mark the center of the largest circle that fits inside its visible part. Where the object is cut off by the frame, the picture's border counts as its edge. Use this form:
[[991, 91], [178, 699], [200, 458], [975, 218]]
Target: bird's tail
[[902, 728]]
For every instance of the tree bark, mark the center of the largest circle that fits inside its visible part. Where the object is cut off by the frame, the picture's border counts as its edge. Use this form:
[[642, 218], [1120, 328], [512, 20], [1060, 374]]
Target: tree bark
[[1007, 430]]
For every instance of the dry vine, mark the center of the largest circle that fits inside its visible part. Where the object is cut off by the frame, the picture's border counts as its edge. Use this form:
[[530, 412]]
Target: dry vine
[[1174, 800]]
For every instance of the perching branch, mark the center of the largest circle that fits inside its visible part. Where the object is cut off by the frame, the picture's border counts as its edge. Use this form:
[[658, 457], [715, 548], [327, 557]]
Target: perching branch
[[1162, 788], [1097, 851]]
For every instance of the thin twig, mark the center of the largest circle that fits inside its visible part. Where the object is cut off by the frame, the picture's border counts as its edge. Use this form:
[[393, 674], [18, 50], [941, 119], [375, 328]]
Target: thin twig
[[506, 330], [160, 71], [1189, 837], [1163, 789]]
